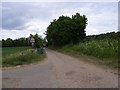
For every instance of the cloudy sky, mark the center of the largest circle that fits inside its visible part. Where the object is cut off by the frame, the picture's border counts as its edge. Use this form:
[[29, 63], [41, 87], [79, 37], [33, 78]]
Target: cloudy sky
[[19, 19]]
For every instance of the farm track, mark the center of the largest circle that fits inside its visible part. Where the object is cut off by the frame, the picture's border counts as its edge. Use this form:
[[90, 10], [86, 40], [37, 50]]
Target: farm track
[[59, 71]]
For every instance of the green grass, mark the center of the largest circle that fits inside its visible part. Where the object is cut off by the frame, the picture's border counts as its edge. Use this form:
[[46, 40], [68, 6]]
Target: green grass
[[106, 51], [12, 50], [19, 56]]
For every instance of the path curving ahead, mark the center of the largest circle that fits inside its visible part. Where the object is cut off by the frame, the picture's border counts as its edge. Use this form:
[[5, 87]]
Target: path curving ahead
[[59, 71]]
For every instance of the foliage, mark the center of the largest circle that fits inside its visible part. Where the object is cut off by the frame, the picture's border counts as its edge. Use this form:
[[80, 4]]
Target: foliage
[[15, 43], [103, 49], [110, 36], [66, 30], [38, 40]]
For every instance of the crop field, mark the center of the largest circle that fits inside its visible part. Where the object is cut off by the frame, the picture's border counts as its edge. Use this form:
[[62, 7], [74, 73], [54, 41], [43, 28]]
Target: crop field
[[103, 49], [13, 56]]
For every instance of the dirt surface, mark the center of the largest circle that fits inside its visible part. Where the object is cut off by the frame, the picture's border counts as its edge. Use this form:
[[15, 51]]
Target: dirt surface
[[60, 71]]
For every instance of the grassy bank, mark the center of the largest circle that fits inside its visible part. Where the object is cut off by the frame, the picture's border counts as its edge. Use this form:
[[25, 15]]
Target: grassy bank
[[19, 56], [106, 51]]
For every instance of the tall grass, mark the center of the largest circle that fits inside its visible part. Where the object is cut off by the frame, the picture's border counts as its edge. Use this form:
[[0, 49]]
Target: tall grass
[[105, 50]]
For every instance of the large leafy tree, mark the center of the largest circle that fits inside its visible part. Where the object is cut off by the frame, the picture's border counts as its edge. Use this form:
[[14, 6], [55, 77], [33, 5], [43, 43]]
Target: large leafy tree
[[66, 30], [8, 42]]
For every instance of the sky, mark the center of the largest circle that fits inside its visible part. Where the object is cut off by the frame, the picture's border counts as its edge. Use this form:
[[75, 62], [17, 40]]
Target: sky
[[20, 19]]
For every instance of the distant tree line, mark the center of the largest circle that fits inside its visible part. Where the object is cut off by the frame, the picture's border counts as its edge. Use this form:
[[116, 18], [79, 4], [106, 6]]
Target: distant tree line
[[110, 36], [14, 43], [65, 30], [22, 41]]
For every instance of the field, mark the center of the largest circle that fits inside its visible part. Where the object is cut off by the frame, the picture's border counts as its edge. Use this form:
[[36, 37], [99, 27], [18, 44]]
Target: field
[[13, 56], [106, 51], [12, 50]]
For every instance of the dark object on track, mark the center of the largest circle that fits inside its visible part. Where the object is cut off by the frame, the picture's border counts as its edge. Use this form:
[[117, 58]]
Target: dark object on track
[[40, 51]]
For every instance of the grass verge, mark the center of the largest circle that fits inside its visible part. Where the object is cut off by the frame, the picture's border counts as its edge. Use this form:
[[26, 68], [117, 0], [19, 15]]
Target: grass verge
[[21, 57]]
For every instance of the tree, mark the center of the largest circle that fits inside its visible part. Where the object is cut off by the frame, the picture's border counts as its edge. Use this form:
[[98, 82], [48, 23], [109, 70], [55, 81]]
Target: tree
[[9, 42], [15, 43], [3, 43], [66, 30], [38, 40], [80, 25]]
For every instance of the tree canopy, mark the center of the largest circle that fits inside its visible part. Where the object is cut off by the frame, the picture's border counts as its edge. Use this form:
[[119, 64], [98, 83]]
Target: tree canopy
[[66, 30]]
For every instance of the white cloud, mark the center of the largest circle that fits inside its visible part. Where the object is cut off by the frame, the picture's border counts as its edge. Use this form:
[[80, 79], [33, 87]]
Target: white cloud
[[32, 27], [102, 23], [36, 26], [102, 17], [14, 34]]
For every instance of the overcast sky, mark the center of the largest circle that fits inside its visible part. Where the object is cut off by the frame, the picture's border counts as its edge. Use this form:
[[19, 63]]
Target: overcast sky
[[19, 19]]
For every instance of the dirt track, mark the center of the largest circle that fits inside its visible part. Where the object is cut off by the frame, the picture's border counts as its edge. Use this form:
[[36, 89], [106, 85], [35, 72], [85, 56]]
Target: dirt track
[[60, 71]]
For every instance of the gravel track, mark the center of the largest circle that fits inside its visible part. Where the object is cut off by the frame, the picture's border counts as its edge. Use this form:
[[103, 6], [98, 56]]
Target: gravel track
[[59, 71]]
